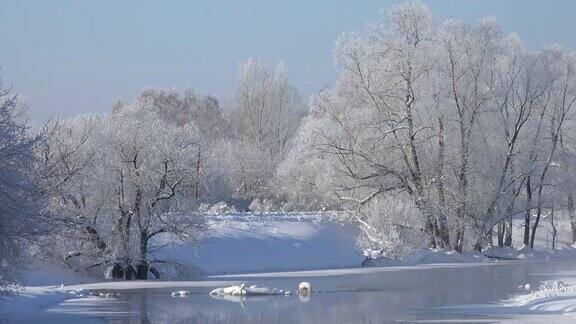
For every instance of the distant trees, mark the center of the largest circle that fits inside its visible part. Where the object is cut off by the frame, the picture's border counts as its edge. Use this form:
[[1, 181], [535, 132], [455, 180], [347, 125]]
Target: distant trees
[[460, 121], [21, 209], [265, 115]]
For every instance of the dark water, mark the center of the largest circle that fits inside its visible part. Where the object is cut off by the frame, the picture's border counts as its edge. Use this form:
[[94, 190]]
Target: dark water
[[405, 294]]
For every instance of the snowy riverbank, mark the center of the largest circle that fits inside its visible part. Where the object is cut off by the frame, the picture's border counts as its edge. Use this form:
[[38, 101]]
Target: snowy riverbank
[[552, 301], [492, 282], [254, 247]]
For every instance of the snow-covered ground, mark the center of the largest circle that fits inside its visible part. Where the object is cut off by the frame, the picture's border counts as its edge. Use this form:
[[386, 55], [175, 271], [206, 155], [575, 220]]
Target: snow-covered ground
[[248, 242], [555, 296], [553, 301]]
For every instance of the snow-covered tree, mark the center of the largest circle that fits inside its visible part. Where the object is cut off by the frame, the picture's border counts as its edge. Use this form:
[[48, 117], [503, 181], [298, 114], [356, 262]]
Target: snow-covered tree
[[121, 185], [458, 120], [264, 116], [21, 207]]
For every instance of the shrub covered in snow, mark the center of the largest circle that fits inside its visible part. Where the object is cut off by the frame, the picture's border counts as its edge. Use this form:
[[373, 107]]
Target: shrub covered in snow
[[218, 208], [390, 228], [263, 205]]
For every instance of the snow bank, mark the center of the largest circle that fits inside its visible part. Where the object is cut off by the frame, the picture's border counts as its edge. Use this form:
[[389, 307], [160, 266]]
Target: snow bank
[[562, 252], [553, 296], [425, 256], [441, 256], [549, 302], [438, 256], [29, 303], [48, 274], [45, 303], [148, 284], [256, 242], [44, 286]]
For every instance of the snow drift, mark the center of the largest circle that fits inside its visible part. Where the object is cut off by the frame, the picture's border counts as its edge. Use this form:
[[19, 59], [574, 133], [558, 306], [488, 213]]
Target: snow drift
[[249, 242]]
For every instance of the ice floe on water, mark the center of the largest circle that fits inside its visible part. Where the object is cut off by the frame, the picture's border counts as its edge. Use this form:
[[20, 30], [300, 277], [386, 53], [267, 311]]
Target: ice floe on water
[[181, 293], [243, 290], [304, 288]]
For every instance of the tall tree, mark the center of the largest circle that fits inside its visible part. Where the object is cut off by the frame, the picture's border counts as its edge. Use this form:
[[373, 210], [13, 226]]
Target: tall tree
[[264, 116], [20, 205]]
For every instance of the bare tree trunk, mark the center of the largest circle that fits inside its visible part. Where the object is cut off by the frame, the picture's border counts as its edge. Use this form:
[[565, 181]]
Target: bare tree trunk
[[197, 184], [142, 269], [430, 226], [508, 224], [442, 225], [554, 231], [431, 230], [461, 210], [540, 190], [572, 216], [125, 237], [536, 222], [528, 212], [500, 233], [479, 244]]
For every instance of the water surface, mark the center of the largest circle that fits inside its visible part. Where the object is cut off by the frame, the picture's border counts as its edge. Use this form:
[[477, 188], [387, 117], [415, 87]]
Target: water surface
[[366, 295]]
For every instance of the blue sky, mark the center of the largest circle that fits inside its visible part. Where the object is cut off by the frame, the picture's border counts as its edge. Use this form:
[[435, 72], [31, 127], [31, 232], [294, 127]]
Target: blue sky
[[71, 57]]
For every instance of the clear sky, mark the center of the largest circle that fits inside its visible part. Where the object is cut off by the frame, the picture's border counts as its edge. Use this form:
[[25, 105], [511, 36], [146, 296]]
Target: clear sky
[[71, 57]]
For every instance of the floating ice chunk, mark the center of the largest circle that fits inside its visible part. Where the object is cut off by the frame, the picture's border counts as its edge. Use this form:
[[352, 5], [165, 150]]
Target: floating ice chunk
[[527, 287], [304, 288], [180, 293], [288, 293], [242, 290], [236, 290]]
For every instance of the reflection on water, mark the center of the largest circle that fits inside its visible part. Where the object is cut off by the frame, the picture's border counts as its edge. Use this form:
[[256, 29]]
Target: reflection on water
[[371, 296]]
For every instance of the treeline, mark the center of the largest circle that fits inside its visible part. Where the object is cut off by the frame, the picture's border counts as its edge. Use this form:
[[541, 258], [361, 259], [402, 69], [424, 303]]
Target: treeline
[[108, 193], [435, 135], [126, 184]]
